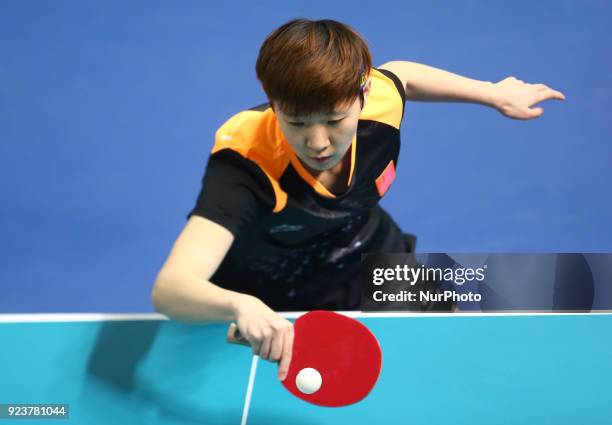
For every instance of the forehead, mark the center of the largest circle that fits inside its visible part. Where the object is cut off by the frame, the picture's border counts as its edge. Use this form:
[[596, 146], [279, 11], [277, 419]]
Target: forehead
[[341, 109]]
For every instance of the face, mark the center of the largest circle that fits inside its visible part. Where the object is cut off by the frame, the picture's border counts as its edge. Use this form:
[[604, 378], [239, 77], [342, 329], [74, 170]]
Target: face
[[320, 141]]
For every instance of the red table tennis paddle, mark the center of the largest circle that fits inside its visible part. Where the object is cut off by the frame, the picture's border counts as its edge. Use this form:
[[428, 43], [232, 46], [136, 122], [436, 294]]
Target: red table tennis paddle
[[340, 349]]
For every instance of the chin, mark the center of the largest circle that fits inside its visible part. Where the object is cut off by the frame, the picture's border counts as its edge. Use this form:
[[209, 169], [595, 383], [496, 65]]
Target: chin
[[323, 167]]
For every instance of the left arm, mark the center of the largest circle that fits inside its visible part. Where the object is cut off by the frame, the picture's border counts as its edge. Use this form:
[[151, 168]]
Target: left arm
[[513, 98]]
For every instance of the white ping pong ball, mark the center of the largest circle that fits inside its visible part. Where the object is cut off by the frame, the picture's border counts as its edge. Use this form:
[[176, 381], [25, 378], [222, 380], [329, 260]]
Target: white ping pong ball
[[308, 380]]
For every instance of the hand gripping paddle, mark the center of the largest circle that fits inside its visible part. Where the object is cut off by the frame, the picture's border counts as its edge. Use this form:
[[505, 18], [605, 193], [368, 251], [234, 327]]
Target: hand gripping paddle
[[335, 361]]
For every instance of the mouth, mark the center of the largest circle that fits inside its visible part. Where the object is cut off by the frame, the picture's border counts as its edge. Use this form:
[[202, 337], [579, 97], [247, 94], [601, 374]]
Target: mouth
[[320, 159]]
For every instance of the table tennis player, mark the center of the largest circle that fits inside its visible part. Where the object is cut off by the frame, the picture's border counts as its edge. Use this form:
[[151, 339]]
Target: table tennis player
[[289, 198]]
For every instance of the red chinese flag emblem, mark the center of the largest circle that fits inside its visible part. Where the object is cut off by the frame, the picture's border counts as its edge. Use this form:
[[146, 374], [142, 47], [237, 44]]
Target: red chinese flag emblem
[[386, 178]]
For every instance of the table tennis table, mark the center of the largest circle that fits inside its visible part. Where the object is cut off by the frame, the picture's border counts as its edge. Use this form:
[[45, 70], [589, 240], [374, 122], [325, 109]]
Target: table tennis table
[[462, 368]]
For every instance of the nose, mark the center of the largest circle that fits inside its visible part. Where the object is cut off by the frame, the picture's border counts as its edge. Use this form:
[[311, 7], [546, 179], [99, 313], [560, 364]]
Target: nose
[[317, 139]]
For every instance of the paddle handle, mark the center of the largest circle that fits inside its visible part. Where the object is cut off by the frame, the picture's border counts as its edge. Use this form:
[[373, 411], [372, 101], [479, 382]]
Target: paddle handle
[[235, 337]]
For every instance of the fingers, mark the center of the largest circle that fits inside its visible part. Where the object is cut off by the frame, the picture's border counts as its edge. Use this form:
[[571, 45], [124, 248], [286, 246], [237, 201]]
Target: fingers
[[266, 343], [257, 345], [267, 332], [535, 112], [287, 350], [267, 339], [552, 94], [276, 351], [545, 92], [515, 98]]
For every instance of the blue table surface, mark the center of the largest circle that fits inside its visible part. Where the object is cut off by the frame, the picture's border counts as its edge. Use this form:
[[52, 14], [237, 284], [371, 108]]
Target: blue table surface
[[494, 369]]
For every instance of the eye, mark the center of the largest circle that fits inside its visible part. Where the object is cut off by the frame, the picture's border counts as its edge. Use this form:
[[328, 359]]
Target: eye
[[295, 124], [334, 122]]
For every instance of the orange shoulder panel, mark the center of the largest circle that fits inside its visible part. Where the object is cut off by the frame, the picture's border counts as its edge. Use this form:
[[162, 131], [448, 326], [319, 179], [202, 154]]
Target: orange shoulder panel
[[255, 135]]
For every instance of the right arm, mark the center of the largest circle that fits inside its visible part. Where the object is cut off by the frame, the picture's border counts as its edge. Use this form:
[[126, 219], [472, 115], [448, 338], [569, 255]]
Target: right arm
[[183, 292]]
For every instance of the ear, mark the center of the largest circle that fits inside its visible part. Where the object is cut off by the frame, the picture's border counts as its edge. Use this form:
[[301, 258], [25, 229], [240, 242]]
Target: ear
[[366, 91], [367, 88]]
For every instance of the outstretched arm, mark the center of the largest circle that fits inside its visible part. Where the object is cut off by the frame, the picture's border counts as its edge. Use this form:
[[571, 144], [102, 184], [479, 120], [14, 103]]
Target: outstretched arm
[[511, 97]]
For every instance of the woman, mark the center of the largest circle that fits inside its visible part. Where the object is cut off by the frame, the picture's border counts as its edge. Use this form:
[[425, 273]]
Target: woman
[[289, 200]]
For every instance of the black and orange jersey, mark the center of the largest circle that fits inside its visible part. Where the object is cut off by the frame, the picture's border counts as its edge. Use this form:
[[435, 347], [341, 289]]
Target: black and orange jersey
[[297, 245]]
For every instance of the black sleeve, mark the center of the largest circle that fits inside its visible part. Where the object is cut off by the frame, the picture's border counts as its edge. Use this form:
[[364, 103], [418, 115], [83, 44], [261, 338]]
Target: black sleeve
[[234, 191]]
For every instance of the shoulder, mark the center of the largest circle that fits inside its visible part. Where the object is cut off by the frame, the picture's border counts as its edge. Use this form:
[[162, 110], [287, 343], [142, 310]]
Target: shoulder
[[254, 135], [386, 100], [253, 141]]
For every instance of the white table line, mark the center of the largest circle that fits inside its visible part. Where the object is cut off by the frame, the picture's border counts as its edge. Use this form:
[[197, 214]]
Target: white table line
[[249, 393]]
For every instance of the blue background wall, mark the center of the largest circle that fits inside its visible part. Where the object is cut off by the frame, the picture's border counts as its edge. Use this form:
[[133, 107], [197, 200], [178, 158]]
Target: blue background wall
[[108, 109]]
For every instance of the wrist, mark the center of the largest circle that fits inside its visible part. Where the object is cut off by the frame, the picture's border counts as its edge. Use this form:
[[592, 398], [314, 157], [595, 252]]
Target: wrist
[[489, 94], [236, 302]]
